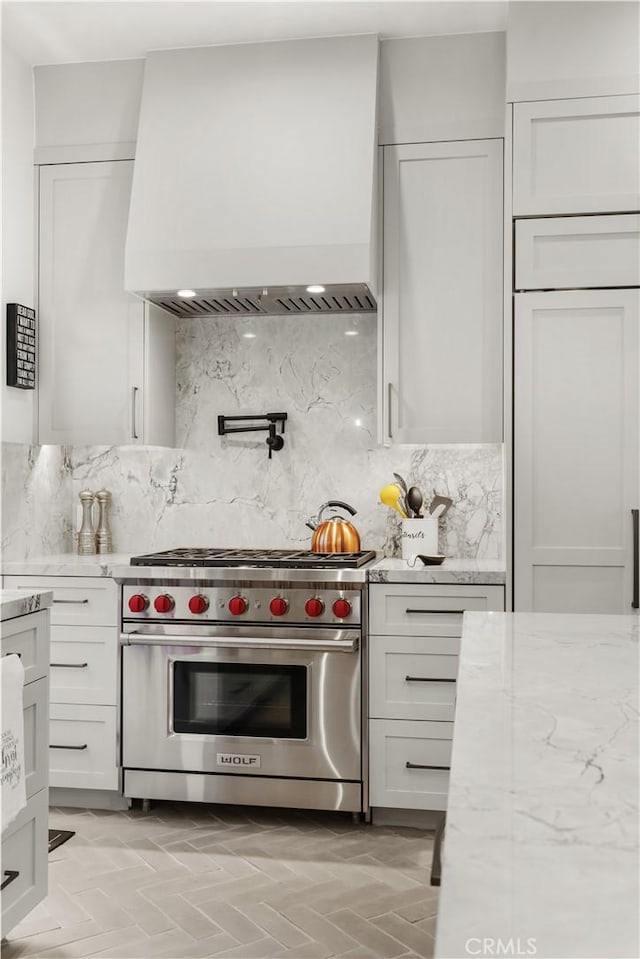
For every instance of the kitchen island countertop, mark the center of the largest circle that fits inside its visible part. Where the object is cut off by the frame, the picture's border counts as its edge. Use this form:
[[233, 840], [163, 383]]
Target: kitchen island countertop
[[454, 571], [541, 842], [20, 602]]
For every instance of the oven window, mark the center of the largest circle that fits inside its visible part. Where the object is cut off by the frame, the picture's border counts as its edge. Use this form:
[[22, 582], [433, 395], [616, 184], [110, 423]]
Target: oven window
[[229, 699]]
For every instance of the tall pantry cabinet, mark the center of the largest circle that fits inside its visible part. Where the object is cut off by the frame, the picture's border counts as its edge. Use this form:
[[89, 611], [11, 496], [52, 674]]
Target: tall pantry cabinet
[[576, 420]]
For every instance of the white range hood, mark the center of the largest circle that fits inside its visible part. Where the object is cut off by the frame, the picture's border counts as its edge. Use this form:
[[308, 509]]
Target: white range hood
[[255, 178]]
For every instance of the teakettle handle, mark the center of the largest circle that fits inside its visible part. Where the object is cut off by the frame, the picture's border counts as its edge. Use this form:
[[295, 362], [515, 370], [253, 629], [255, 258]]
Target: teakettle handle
[[336, 502]]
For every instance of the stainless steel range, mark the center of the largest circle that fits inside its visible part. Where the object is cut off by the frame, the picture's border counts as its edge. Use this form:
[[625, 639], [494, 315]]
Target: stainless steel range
[[243, 677]]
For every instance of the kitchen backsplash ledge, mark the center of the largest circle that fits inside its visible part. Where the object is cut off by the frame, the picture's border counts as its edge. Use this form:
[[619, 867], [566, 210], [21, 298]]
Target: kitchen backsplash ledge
[[214, 491]]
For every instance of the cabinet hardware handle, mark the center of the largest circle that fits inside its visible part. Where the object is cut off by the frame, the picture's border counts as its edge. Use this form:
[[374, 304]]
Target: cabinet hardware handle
[[134, 428], [426, 679], [436, 864], [19, 655], [72, 602], [635, 602], [389, 421], [429, 611], [55, 746], [11, 874], [409, 765], [69, 665]]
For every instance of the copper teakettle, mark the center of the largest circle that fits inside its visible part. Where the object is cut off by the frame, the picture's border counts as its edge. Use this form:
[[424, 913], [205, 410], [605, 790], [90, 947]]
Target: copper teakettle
[[335, 535]]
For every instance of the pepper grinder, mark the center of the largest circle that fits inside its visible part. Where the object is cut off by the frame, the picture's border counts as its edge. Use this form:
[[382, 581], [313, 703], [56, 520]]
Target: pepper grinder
[[86, 536], [103, 533]]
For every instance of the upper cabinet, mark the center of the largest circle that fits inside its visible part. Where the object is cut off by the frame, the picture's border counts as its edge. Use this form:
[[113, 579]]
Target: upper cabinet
[[106, 360], [576, 156], [442, 283]]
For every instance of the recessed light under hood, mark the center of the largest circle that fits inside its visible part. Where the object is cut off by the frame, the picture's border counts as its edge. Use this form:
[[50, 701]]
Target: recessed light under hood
[[255, 178]]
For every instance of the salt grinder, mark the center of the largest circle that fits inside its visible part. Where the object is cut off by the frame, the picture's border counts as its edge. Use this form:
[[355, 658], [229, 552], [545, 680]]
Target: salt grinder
[[103, 533], [86, 536]]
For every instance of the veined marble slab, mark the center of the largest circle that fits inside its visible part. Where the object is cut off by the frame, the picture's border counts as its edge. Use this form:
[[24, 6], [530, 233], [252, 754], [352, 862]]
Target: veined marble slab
[[17, 602], [484, 572], [66, 564], [541, 846]]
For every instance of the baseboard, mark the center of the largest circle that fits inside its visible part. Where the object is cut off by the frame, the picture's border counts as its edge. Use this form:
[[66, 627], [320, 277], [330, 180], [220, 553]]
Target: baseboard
[[414, 818], [87, 798]]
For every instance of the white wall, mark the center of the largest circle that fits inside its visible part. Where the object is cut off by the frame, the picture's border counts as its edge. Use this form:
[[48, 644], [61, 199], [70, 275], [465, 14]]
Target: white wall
[[572, 49], [442, 88], [18, 281], [91, 107]]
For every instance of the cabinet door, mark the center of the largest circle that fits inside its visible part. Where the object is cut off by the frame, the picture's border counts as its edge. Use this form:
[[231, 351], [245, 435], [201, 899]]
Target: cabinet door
[[93, 335], [576, 425], [442, 304], [576, 156]]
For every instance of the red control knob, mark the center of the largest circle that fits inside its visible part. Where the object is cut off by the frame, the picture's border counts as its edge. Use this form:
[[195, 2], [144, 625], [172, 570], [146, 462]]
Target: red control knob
[[341, 608], [237, 605], [198, 604], [278, 606], [138, 603], [164, 603], [314, 607]]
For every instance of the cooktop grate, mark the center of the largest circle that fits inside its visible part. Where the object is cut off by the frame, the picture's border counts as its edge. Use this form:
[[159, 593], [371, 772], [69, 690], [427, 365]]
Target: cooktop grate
[[274, 558]]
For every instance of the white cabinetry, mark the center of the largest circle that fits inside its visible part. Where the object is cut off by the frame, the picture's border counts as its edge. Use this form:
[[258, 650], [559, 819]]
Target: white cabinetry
[[442, 282], [577, 426], [84, 658], [107, 361], [413, 662], [576, 156], [24, 841]]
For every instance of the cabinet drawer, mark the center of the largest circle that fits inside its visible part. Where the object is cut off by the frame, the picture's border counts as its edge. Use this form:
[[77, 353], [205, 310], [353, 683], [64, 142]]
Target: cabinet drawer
[[82, 747], [77, 600], [578, 252], [412, 610], [576, 156], [36, 736], [29, 637], [393, 744], [408, 681], [84, 665], [24, 851]]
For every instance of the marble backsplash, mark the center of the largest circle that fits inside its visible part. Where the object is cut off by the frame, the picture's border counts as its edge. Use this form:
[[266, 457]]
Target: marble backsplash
[[224, 491]]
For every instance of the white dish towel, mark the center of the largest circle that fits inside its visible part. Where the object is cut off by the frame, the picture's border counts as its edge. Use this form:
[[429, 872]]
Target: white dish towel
[[14, 795]]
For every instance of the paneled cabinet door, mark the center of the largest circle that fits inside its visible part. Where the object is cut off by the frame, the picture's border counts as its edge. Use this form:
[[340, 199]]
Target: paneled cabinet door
[[106, 366], [576, 434], [442, 304]]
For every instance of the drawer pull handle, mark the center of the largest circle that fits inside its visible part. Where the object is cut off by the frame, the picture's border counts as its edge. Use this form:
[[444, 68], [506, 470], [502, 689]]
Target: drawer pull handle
[[55, 746], [409, 765], [11, 875], [69, 665], [426, 679], [72, 602], [428, 612], [19, 655]]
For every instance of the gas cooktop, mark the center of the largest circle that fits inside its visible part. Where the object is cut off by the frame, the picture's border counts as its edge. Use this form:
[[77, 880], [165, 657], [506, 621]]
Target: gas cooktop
[[265, 558]]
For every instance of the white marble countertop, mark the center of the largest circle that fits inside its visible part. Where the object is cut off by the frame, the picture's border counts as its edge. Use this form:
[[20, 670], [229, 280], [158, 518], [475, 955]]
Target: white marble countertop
[[484, 572], [541, 843], [19, 602], [66, 564]]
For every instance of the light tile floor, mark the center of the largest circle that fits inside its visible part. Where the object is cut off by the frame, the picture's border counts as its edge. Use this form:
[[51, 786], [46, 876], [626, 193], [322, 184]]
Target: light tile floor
[[187, 880]]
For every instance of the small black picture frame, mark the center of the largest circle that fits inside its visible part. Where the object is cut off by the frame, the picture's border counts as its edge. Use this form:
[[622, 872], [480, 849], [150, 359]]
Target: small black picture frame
[[21, 346]]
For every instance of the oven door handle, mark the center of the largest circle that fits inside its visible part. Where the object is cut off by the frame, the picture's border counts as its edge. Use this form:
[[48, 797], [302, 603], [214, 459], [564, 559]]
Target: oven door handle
[[242, 642]]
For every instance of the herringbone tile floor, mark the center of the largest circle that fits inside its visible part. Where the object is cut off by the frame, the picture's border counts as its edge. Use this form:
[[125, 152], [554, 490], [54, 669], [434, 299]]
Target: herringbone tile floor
[[187, 881]]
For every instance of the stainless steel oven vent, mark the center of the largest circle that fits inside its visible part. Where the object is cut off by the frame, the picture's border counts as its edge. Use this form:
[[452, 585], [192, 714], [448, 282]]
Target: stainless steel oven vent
[[274, 301]]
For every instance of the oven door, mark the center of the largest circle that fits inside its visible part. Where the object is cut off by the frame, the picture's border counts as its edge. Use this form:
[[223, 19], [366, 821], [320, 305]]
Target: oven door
[[249, 703]]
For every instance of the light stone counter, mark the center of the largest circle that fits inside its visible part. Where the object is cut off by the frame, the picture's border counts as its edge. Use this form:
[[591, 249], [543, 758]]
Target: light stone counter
[[18, 602], [66, 564], [541, 845], [484, 572]]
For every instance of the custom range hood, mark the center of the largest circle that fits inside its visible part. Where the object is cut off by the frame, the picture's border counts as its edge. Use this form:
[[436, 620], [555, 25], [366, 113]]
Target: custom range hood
[[255, 179]]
